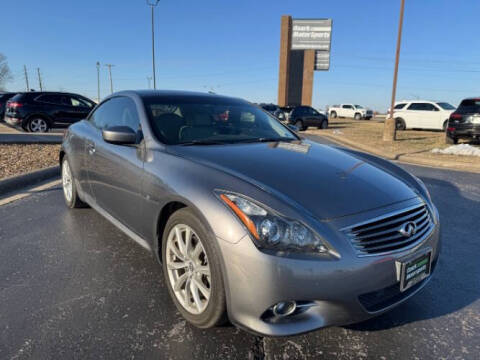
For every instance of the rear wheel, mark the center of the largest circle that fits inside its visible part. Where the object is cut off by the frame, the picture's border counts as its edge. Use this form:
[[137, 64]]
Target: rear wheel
[[357, 116], [400, 124], [38, 124], [192, 271], [450, 140], [323, 125]]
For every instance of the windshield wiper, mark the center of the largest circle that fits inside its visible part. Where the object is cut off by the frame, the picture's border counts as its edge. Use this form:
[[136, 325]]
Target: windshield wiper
[[267, 139], [203, 142]]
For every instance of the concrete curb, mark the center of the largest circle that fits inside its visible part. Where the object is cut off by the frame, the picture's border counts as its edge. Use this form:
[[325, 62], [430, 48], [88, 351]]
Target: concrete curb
[[410, 159], [13, 183]]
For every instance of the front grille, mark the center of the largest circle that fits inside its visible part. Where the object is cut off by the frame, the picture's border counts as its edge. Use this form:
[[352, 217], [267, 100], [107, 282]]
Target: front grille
[[382, 234]]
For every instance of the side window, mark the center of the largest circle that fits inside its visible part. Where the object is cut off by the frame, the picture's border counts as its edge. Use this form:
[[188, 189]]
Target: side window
[[417, 106], [345, 106], [118, 111], [429, 107], [50, 99], [77, 102], [399, 106]]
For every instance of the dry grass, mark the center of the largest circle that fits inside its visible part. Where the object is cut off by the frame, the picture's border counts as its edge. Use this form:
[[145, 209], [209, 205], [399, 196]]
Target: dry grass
[[410, 142], [18, 159]]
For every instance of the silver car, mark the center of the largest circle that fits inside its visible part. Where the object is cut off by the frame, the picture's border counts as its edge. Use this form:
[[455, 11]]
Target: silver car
[[252, 223]]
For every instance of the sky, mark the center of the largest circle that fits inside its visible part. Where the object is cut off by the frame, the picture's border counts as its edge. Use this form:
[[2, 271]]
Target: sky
[[232, 47]]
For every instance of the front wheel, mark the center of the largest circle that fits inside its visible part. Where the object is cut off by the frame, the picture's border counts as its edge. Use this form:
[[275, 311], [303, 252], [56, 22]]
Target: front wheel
[[323, 125], [192, 270], [357, 116], [70, 193]]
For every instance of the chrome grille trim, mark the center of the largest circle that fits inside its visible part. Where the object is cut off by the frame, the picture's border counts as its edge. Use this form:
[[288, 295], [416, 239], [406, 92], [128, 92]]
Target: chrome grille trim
[[381, 235]]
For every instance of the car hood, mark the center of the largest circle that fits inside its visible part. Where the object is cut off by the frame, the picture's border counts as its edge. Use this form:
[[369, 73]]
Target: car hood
[[325, 181]]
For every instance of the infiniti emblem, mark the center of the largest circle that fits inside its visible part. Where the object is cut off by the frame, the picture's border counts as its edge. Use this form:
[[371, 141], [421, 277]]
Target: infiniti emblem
[[408, 229]]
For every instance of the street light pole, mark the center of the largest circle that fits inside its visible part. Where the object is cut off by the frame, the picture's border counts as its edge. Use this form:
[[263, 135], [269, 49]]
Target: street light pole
[[153, 4], [110, 75], [389, 129], [98, 81]]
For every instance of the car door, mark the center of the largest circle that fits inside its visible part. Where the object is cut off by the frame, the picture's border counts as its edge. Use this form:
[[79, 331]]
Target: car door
[[115, 172], [55, 107], [76, 108], [435, 116], [347, 110], [415, 116]]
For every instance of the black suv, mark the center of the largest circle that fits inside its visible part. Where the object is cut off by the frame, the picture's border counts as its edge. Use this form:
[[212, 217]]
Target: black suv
[[464, 123], [40, 111], [4, 97], [304, 116]]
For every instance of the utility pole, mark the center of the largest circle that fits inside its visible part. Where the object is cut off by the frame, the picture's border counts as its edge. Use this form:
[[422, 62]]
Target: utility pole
[[98, 81], [39, 79], [110, 75], [390, 127], [153, 4], [149, 78], [26, 76]]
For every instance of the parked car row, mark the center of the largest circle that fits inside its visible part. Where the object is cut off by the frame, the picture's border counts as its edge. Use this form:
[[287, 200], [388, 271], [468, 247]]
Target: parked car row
[[40, 111]]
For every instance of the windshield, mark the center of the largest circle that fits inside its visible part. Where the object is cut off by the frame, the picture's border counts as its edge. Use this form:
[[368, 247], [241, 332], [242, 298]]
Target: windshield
[[469, 106], [187, 123], [358, 106], [446, 106]]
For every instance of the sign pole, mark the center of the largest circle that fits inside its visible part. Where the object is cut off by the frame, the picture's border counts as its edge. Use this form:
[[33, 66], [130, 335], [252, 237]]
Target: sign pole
[[389, 129]]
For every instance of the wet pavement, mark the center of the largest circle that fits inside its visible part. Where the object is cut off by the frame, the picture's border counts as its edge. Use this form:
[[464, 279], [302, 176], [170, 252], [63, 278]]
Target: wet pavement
[[74, 287]]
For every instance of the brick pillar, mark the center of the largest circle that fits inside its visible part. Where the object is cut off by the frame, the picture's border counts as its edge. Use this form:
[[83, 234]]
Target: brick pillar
[[307, 83], [285, 45]]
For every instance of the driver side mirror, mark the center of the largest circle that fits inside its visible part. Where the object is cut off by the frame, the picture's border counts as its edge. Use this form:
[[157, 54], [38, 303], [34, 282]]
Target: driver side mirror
[[119, 135]]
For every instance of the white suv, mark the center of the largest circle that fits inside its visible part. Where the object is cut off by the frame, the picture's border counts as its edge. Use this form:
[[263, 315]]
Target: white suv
[[422, 114]]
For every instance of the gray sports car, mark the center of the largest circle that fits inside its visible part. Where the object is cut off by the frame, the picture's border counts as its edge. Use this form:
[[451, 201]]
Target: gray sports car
[[250, 222]]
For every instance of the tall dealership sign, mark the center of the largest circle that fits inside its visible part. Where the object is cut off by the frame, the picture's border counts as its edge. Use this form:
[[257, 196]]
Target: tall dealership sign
[[304, 47]]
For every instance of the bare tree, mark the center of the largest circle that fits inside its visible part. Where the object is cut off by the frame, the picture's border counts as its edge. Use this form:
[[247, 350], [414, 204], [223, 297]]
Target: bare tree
[[5, 73]]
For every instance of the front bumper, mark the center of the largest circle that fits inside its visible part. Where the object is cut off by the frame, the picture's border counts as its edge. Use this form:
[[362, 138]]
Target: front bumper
[[336, 292]]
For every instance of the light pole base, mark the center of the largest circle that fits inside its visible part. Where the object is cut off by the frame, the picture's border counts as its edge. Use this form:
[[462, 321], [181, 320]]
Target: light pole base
[[389, 133]]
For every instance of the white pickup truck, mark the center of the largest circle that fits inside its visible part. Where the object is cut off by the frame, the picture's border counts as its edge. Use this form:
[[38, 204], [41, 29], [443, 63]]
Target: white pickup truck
[[357, 112]]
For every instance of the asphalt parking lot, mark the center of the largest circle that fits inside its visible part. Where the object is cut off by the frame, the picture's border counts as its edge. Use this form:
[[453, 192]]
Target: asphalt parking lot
[[73, 286]]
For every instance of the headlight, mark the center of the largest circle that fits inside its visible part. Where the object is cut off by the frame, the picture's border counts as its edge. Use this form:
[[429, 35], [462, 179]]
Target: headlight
[[271, 230]]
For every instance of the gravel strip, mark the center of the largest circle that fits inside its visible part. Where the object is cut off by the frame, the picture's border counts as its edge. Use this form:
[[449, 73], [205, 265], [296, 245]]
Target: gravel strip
[[19, 159]]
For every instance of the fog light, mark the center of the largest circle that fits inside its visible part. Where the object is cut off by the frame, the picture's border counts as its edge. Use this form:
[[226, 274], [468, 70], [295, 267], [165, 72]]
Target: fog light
[[284, 308]]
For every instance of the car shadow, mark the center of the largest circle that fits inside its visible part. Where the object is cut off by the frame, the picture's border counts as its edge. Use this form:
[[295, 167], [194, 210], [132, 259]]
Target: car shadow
[[454, 285]]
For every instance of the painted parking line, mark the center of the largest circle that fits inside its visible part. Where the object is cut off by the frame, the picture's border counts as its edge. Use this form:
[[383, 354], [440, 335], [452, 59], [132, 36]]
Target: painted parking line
[[27, 192]]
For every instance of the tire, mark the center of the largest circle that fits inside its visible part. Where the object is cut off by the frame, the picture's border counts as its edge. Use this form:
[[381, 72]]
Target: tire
[[202, 313], [450, 140], [38, 124], [299, 125], [70, 193], [333, 114], [323, 125], [445, 125], [358, 116], [400, 124]]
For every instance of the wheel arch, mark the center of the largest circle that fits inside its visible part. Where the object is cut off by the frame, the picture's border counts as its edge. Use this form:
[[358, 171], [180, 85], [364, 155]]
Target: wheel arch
[[42, 115]]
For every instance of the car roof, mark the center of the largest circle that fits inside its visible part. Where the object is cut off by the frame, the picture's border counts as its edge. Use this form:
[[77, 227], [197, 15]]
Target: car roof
[[180, 94]]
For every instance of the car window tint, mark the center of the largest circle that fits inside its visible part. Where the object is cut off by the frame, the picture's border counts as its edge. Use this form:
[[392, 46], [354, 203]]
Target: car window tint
[[399, 106], [118, 111], [429, 107], [78, 102], [417, 106], [469, 106], [50, 99]]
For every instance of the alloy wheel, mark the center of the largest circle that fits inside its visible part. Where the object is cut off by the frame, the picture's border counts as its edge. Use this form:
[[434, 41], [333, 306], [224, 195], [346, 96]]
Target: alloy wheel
[[38, 125], [67, 181], [188, 268]]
